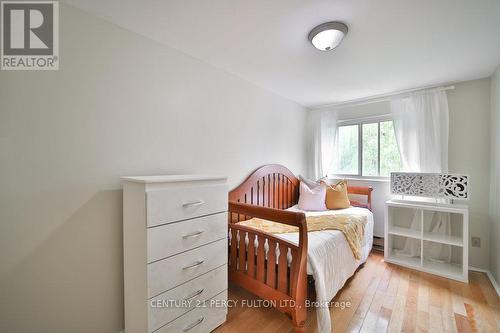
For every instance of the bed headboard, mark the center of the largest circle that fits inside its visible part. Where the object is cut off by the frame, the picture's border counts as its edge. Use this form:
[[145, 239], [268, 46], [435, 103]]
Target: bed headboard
[[271, 185], [275, 186]]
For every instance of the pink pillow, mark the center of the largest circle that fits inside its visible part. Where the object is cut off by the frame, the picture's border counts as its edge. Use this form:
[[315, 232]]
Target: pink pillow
[[312, 198]]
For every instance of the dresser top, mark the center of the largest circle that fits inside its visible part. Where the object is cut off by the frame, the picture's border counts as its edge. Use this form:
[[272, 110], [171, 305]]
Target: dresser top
[[171, 178]]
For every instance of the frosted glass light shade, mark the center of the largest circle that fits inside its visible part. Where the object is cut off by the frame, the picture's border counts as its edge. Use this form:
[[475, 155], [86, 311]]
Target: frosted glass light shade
[[327, 36]]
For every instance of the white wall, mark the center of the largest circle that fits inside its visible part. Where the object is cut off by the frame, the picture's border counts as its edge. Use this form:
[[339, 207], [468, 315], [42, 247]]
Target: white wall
[[495, 179], [120, 105], [469, 153]]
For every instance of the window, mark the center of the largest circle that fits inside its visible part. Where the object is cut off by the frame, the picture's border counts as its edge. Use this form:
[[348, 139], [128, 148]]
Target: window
[[367, 149]]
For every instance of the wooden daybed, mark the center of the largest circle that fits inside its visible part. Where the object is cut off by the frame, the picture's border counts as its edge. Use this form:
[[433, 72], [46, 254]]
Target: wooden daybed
[[265, 194]]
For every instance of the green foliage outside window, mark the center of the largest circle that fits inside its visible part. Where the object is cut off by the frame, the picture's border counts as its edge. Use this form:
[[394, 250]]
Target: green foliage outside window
[[379, 150]]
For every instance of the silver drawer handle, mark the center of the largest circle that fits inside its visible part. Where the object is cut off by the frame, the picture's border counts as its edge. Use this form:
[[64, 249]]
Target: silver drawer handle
[[193, 295], [193, 234], [193, 325], [196, 264], [193, 204]]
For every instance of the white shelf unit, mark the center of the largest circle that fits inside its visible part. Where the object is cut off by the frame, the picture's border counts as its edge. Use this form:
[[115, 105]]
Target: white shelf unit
[[399, 215]]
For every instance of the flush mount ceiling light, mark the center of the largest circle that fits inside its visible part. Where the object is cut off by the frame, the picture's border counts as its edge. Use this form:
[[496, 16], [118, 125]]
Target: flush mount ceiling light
[[327, 36]]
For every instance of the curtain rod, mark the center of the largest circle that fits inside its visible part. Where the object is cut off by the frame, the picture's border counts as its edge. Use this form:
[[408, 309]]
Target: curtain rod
[[382, 97]]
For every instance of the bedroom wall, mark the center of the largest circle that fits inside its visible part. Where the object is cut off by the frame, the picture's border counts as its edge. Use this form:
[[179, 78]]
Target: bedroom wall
[[120, 105], [469, 153], [495, 177]]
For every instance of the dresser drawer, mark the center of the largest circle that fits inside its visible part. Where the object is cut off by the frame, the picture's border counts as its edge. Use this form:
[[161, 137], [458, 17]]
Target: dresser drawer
[[200, 320], [175, 302], [168, 273], [185, 202], [169, 239]]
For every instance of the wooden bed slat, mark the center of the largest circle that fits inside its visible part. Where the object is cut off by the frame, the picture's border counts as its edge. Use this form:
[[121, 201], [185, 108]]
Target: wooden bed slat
[[271, 265], [261, 257], [251, 255], [283, 269], [275, 191], [242, 251], [282, 188], [233, 249], [269, 196], [293, 272]]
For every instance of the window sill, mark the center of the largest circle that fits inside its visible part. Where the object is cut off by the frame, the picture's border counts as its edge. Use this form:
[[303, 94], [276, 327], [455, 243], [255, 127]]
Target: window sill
[[361, 178]]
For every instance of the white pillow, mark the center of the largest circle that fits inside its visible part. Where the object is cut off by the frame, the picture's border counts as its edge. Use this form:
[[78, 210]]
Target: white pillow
[[312, 198]]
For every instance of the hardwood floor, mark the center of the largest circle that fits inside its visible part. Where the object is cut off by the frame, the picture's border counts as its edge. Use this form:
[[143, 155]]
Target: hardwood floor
[[386, 298]]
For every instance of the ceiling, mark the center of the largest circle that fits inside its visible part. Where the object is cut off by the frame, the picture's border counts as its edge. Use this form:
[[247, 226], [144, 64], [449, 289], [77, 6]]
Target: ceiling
[[391, 45]]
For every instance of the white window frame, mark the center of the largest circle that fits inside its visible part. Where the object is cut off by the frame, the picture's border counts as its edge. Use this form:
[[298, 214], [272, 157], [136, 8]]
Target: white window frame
[[360, 122]]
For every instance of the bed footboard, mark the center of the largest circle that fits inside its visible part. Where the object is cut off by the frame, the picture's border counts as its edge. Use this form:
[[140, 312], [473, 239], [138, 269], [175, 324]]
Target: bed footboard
[[281, 279]]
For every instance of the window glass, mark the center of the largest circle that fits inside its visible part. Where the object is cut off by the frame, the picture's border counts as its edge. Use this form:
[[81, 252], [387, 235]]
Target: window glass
[[376, 155], [348, 148], [370, 149]]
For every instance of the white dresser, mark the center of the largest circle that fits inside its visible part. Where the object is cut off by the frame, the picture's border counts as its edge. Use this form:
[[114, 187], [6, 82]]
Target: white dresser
[[175, 253]]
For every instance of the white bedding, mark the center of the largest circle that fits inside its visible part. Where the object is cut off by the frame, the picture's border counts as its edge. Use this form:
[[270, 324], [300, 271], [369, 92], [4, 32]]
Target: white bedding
[[330, 260]]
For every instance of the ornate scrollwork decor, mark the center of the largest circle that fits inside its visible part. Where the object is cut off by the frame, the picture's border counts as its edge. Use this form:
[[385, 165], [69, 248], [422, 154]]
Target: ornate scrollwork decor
[[434, 185]]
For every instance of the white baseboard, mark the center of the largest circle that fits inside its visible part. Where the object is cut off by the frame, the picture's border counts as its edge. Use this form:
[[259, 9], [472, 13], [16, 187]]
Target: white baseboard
[[494, 282], [489, 275]]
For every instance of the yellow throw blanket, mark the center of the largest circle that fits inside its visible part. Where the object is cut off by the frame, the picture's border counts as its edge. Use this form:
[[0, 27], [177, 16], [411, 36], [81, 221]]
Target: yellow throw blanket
[[352, 226]]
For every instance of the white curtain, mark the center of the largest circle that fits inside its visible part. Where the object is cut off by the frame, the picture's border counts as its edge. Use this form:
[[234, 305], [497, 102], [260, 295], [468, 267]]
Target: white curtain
[[421, 125], [322, 131]]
